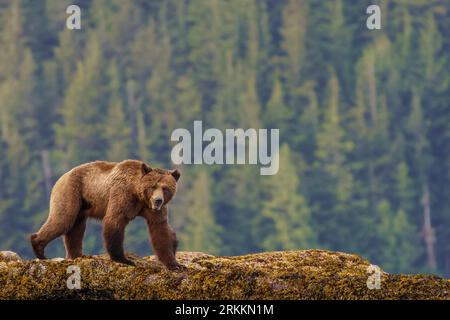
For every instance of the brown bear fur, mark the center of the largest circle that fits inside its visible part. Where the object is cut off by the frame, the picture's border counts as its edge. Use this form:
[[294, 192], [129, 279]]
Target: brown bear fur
[[115, 193]]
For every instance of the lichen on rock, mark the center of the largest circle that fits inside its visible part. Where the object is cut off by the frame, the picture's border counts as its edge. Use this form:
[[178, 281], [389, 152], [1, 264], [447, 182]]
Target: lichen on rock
[[6, 256], [307, 274]]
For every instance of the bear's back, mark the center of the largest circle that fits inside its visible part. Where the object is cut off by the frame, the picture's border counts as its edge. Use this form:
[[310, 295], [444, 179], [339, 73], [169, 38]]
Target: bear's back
[[99, 176]]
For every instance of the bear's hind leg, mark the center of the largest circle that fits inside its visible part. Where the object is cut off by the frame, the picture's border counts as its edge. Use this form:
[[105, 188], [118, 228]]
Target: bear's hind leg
[[38, 246], [64, 210], [48, 232], [73, 240]]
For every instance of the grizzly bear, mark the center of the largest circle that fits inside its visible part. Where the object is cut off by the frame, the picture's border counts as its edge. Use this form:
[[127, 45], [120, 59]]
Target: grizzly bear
[[115, 193]]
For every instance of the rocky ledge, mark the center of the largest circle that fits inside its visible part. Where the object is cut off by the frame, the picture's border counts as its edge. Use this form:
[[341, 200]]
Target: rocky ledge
[[308, 274]]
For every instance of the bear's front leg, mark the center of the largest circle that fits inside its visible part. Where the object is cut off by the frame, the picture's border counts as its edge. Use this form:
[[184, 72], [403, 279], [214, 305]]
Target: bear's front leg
[[174, 240], [113, 234], [164, 243]]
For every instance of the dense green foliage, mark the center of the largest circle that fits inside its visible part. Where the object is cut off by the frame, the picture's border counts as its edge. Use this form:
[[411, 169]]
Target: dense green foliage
[[364, 119]]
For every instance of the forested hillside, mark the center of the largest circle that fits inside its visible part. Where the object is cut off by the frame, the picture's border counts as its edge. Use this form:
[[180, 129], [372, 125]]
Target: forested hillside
[[364, 119]]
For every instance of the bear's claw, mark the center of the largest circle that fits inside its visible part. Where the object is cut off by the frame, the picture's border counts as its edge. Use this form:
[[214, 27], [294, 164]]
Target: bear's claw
[[176, 267], [124, 261]]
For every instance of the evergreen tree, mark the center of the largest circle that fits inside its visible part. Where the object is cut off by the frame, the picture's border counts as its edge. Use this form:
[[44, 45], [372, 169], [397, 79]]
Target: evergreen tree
[[331, 144], [277, 113], [237, 206], [293, 31], [201, 232], [117, 130], [79, 133], [250, 105], [398, 239], [333, 191], [284, 221], [405, 191]]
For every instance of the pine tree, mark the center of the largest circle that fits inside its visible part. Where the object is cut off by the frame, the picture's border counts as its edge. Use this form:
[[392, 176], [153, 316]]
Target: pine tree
[[187, 106], [293, 31], [117, 131], [227, 104], [81, 111], [250, 105], [430, 46], [398, 237], [67, 56], [405, 191], [331, 144], [416, 129], [201, 232], [143, 144], [333, 186], [285, 218], [237, 207], [304, 134], [277, 113]]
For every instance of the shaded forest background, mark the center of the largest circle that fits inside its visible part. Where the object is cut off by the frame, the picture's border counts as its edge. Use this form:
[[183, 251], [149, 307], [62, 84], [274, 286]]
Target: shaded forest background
[[363, 116]]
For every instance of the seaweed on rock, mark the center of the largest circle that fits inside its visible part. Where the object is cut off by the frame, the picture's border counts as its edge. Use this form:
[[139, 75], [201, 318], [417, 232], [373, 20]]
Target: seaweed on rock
[[307, 274]]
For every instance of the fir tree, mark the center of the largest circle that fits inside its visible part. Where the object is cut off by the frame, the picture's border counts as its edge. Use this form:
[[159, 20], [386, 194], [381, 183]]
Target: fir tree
[[201, 232], [285, 218]]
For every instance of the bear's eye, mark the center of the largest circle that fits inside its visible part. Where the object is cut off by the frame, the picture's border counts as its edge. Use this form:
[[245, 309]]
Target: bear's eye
[[166, 192]]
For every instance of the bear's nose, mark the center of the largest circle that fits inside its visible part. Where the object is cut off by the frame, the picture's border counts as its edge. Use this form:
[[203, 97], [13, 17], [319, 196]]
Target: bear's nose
[[158, 202]]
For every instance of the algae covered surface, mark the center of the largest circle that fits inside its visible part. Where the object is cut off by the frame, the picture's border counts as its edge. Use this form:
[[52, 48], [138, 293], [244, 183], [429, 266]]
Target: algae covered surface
[[305, 274]]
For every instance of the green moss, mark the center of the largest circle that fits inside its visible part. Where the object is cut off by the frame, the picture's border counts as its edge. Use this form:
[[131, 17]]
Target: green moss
[[308, 274]]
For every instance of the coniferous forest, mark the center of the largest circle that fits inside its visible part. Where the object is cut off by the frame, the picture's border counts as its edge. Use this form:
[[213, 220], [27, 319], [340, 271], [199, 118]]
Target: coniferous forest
[[364, 119]]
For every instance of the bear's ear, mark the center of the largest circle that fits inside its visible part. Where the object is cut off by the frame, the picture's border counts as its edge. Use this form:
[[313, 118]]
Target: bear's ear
[[145, 169], [176, 174]]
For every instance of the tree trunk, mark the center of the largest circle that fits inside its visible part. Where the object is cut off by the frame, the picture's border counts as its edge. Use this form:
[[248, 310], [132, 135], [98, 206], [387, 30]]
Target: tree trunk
[[46, 168], [428, 231]]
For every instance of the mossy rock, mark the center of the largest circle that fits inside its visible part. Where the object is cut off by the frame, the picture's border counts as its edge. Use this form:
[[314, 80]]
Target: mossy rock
[[308, 274], [7, 256]]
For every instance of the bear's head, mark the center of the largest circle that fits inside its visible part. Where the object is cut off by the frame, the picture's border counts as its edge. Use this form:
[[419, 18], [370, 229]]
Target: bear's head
[[158, 186]]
